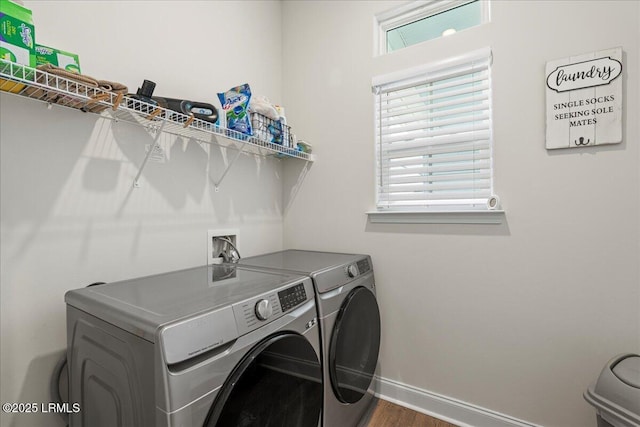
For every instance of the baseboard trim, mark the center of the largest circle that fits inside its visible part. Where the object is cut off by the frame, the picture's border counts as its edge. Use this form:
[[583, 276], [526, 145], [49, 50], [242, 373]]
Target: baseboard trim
[[445, 408]]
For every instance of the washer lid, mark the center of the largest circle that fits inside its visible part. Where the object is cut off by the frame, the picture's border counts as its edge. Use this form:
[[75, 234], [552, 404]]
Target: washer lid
[[142, 305], [628, 371]]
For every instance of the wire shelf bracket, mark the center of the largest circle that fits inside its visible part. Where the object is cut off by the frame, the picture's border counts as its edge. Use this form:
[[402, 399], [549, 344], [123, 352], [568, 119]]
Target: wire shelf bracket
[[216, 184], [136, 181]]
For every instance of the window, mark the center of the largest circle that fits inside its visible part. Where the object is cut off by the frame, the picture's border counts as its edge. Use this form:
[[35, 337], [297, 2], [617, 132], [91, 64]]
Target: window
[[420, 21], [433, 136]]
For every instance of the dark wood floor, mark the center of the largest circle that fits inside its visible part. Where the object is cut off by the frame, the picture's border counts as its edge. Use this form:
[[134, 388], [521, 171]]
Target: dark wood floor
[[387, 414]]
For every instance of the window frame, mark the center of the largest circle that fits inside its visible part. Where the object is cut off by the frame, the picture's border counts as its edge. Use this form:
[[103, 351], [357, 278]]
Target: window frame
[[458, 214], [415, 11]]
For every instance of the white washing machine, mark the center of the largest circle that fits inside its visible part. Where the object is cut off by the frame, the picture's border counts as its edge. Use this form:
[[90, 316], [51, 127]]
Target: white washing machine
[[349, 324], [210, 346]]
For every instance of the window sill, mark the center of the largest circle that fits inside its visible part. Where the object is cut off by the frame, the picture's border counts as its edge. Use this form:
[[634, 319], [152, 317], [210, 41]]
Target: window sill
[[437, 217]]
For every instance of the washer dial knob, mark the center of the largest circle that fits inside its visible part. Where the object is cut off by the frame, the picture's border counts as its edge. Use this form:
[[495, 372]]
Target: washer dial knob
[[352, 271], [263, 309]]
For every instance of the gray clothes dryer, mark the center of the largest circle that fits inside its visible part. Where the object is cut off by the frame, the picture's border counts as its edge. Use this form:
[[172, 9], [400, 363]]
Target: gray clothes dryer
[[210, 346], [349, 320]]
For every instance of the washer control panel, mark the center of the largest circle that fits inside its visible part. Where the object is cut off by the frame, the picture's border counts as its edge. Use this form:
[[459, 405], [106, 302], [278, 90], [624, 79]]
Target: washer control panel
[[261, 309], [292, 296]]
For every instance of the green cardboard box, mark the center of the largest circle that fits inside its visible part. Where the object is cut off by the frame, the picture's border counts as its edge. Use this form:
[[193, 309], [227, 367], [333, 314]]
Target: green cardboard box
[[17, 38], [59, 58]]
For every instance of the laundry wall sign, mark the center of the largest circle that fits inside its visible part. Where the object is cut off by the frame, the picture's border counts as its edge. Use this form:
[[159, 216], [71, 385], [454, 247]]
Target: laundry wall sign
[[584, 100]]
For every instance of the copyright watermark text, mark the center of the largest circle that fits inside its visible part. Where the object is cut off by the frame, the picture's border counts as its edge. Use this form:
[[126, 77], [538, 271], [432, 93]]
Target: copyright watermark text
[[34, 408]]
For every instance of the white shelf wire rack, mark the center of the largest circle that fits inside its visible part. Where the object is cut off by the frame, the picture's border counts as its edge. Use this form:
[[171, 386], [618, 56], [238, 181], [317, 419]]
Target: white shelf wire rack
[[53, 89]]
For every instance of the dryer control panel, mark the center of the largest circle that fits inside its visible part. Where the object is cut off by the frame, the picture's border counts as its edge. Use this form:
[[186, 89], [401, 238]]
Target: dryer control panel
[[332, 278], [361, 267]]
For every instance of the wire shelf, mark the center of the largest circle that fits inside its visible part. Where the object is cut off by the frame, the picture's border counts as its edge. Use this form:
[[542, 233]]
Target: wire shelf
[[40, 85]]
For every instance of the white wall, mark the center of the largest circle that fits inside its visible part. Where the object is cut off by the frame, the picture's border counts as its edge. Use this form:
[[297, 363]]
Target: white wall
[[517, 318], [69, 214]]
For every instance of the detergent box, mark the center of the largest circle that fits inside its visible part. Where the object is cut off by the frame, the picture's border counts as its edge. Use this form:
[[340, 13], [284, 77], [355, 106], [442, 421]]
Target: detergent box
[[59, 58], [17, 39]]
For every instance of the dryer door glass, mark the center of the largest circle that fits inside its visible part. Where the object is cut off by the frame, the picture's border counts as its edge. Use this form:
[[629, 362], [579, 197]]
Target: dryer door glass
[[355, 343], [278, 383]]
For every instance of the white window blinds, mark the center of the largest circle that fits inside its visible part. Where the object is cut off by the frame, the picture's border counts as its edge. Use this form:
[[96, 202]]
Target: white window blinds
[[433, 136]]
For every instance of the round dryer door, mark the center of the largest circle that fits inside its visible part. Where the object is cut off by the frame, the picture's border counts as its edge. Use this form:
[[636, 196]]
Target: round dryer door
[[278, 383], [355, 343]]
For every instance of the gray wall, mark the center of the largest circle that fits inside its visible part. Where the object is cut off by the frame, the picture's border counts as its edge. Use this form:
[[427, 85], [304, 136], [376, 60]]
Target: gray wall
[[69, 214], [518, 318]]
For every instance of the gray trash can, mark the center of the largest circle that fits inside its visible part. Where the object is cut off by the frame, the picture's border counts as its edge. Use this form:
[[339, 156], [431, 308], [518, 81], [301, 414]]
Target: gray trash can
[[616, 393]]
